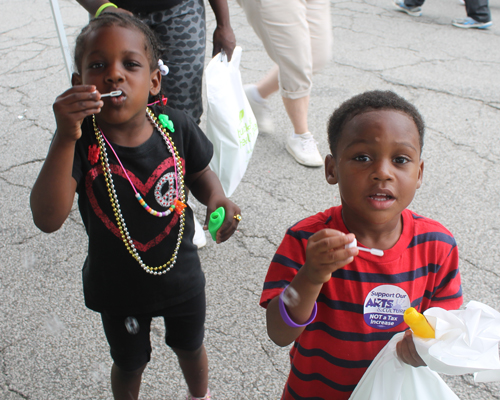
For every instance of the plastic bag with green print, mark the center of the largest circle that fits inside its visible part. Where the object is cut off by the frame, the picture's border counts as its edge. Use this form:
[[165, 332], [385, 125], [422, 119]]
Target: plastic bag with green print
[[231, 124]]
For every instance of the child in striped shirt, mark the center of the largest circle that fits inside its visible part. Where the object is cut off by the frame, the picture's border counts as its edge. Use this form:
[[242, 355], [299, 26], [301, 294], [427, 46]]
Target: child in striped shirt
[[340, 305]]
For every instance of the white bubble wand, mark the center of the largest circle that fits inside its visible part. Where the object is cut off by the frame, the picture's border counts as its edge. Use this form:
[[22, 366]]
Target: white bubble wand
[[375, 252], [112, 94]]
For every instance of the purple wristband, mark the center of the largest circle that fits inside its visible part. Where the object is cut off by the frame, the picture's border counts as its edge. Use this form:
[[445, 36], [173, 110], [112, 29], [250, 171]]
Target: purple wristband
[[286, 317]]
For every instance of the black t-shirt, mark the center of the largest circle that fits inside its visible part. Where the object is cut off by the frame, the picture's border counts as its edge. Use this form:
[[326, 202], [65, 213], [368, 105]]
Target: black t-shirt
[[113, 280], [147, 6]]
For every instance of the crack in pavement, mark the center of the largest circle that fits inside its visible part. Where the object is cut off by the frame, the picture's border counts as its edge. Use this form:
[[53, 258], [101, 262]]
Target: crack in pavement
[[491, 104], [482, 269], [37, 160], [8, 383], [463, 146]]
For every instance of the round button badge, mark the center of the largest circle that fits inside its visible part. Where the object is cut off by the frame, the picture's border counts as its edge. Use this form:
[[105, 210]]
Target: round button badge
[[384, 306]]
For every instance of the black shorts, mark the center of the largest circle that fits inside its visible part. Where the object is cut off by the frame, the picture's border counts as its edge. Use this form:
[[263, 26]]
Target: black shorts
[[128, 336]]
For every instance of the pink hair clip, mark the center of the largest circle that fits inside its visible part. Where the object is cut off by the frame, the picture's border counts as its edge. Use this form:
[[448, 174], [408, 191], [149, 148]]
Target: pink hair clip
[[163, 101]]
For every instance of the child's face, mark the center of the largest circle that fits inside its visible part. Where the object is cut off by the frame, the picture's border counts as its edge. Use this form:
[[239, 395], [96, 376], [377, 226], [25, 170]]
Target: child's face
[[115, 58], [377, 167]]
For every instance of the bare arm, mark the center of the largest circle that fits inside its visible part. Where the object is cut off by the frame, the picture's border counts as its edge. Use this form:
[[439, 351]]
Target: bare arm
[[206, 187], [325, 254], [279, 332], [54, 190], [223, 38]]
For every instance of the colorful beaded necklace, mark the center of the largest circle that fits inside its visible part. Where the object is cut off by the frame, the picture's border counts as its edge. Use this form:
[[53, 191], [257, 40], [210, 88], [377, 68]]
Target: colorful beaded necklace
[[179, 201]]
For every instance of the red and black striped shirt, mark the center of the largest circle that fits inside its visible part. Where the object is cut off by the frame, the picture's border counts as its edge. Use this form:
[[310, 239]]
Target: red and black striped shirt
[[361, 307]]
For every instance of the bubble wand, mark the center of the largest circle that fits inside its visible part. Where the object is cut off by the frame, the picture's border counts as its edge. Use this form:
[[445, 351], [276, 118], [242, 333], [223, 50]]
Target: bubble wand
[[112, 94], [375, 252]]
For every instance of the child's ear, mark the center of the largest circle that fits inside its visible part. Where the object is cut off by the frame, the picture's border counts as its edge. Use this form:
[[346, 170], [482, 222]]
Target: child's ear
[[155, 86], [331, 170], [420, 174], [76, 79]]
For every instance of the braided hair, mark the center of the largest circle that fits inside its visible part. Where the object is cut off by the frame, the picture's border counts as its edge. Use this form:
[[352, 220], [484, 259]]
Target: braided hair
[[152, 46]]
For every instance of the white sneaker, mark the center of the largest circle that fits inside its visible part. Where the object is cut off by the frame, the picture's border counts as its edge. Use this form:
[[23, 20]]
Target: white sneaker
[[260, 109], [304, 149], [199, 238]]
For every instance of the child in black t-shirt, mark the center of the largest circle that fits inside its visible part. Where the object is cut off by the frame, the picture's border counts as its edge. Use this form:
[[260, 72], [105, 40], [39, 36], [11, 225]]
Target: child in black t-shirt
[[130, 165]]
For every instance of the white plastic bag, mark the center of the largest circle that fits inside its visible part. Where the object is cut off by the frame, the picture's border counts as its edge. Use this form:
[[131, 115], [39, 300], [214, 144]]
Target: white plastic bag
[[231, 124], [387, 378], [466, 342]]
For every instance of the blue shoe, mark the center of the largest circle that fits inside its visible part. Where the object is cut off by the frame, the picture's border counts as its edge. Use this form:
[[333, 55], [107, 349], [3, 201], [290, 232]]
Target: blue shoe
[[413, 11], [470, 23]]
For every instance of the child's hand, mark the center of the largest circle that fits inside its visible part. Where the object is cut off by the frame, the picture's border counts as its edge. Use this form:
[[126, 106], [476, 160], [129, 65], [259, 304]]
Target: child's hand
[[325, 253], [407, 352], [71, 107], [230, 222]]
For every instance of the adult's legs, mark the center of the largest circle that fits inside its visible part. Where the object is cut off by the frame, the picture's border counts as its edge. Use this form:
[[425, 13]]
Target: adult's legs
[[414, 3], [320, 36], [194, 366], [296, 35], [297, 112], [295, 108], [478, 10], [283, 29], [181, 31], [320, 32], [269, 84], [318, 21]]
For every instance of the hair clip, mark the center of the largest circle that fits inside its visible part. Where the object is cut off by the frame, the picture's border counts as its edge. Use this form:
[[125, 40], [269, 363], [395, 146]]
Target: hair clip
[[166, 122], [163, 101], [163, 68]]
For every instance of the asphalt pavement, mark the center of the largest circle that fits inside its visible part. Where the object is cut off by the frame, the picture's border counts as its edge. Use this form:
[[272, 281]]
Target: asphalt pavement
[[52, 347]]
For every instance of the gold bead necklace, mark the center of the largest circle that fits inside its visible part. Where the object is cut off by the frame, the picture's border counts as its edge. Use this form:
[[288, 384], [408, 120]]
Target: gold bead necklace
[[115, 205]]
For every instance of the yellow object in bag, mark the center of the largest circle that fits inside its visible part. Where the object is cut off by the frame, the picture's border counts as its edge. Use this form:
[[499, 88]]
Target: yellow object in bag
[[418, 324]]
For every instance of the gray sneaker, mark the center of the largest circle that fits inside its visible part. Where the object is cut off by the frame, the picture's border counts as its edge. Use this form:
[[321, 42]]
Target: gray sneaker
[[413, 11], [260, 110], [468, 23], [305, 150]]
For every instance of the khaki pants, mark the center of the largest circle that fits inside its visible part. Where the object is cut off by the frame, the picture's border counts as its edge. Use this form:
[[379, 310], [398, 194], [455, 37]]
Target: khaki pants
[[297, 35]]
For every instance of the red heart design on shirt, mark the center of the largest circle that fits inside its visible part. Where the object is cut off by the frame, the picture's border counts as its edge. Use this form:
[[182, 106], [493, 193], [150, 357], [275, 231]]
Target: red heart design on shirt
[[142, 188]]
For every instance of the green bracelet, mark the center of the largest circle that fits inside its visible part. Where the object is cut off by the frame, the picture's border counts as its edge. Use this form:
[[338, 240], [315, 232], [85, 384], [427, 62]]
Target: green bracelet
[[105, 5]]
